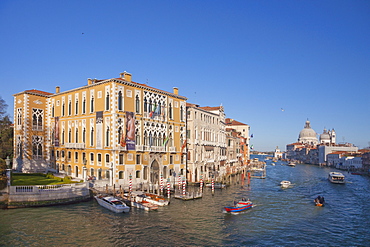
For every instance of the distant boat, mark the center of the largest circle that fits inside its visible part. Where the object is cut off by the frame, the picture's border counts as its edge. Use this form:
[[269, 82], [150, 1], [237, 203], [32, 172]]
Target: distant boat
[[336, 178], [291, 164], [285, 184], [112, 204], [216, 185]]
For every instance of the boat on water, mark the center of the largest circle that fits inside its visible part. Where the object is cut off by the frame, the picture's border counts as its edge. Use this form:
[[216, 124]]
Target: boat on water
[[336, 177], [138, 200], [291, 164], [239, 206], [319, 201], [272, 164], [285, 184], [152, 198], [112, 203], [217, 185]]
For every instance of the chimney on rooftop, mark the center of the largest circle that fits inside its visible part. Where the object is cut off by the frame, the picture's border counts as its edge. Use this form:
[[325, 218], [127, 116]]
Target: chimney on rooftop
[[126, 76], [176, 90], [57, 89]]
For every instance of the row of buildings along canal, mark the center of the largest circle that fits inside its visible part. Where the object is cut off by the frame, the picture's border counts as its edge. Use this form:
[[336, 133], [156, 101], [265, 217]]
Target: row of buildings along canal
[[117, 131]]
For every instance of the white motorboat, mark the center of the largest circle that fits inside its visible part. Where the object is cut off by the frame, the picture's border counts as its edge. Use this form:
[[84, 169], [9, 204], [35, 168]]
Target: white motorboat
[[285, 184], [112, 204], [216, 185], [291, 164], [336, 178], [152, 198]]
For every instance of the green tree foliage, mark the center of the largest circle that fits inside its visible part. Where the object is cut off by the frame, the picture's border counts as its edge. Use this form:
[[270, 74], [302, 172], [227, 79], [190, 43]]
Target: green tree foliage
[[6, 132]]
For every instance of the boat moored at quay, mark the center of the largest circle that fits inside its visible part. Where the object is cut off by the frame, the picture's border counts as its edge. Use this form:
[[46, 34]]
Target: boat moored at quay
[[112, 203]]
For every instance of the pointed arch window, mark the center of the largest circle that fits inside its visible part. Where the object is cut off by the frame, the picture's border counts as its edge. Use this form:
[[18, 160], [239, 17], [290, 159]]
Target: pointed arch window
[[69, 108], [120, 105], [137, 104], [52, 111], [37, 147], [84, 106], [145, 105], [92, 104], [84, 135], [76, 135], [69, 136], [119, 135], [63, 136], [63, 109], [107, 137], [107, 102], [37, 115], [92, 137], [170, 111], [76, 107]]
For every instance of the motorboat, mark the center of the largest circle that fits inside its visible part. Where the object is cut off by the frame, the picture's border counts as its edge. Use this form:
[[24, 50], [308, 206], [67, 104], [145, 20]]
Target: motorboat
[[138, 200], [285, 184], [336, 177], [239, 206], [291, 164], [152, 198], [216, 185], [319, 201], [112, 203]]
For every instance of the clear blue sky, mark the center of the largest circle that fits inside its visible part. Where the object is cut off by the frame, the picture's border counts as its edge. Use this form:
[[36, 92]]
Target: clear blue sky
[[311, 58]]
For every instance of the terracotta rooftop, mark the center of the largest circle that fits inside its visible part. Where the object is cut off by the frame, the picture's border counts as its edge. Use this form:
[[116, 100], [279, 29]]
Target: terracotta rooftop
[[34, 91], [209, 108], [230, 121]]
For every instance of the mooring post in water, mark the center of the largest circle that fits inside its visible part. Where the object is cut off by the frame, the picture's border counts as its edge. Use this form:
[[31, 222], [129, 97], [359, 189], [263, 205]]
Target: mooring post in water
[[168, 188], [161, 187], [213, 186]]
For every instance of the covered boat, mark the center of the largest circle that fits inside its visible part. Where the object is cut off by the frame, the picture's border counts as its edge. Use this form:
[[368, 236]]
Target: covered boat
[[112, 204], [285, 184], [336, 177], [239, 206]]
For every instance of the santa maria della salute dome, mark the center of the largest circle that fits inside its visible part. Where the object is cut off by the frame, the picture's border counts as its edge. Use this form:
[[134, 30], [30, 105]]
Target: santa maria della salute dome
[[309, 136]]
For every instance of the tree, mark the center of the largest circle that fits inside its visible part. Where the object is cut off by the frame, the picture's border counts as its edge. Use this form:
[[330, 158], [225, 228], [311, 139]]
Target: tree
[[6, 132]]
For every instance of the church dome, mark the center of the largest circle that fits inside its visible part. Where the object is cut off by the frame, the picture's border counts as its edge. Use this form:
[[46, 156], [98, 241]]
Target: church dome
[[308, 135], [325, 136]]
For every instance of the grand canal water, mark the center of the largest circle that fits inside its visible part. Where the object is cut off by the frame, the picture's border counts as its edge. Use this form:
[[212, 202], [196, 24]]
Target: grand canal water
[[281, 217]]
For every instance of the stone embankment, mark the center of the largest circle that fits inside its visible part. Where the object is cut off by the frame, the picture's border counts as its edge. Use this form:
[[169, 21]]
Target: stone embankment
[[44, 195]]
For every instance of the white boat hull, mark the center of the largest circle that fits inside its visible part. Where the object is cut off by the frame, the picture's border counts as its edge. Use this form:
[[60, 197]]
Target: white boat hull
[[117, 208]]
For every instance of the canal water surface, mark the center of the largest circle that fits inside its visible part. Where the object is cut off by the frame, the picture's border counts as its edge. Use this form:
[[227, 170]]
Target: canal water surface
[[280, 217]]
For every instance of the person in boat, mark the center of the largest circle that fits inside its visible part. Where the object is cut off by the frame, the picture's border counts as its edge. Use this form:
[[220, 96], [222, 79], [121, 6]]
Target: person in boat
[[317, 199], [322, 200]]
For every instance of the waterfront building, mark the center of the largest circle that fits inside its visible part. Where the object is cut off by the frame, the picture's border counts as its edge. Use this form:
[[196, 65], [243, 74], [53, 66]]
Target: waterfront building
[[206, 141], [324, 150], [114, 130], [238, 149], [278, 154], [366, 161]]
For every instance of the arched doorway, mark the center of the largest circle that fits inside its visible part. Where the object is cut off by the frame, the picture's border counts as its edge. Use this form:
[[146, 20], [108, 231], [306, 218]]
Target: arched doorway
[[154, 172]]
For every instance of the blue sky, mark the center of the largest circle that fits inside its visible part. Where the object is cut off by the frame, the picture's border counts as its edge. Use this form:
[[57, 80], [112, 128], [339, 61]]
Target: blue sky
[[310, 58]]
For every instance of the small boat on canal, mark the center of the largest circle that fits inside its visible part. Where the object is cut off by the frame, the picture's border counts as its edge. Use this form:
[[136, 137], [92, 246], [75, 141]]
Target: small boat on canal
[[239, 206], [216, 185], [291, 164], [112, 203], [285, 184], [336, 178], [319, 201]]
